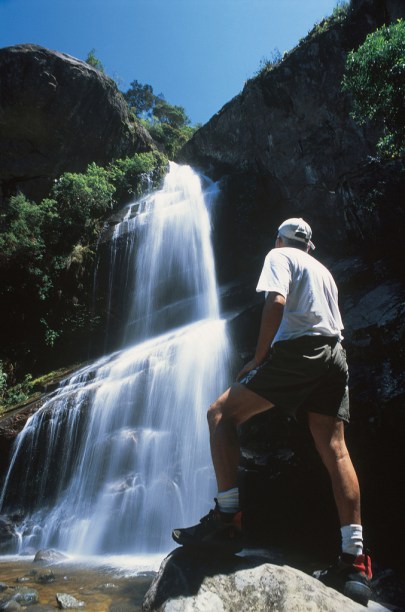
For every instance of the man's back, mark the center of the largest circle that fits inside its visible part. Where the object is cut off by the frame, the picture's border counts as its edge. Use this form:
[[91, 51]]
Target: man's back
[[309, 290]]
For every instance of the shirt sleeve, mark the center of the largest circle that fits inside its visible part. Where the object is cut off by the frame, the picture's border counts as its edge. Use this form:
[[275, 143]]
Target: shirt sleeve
[[276, 274]]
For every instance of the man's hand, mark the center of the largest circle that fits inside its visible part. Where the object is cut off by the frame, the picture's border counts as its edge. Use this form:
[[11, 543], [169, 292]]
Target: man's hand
[[271, 318], [250, 365]]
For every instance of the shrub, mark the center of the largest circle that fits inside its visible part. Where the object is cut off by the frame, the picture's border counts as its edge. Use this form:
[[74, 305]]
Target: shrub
[[15, 394], [168, 124], [93, 61], [375, 76], [82, 199], [127, 174]]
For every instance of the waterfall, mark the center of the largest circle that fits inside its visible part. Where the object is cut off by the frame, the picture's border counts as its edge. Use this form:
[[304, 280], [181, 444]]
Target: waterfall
[[118, 455]]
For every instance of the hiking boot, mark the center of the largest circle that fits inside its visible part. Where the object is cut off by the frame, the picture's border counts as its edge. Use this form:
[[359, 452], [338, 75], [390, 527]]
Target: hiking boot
[[218, 530], [351, 576]]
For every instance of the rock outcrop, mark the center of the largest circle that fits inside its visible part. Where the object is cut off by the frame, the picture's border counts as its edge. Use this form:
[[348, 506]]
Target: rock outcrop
[[58, 114], [190, 581], [287, 146]]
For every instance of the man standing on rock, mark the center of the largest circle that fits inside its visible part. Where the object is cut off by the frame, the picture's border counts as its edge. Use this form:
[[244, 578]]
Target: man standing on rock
[[299, 364]]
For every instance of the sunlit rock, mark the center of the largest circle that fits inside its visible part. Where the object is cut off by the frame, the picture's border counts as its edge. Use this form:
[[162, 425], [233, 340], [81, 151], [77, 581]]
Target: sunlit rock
[[68, 602], [189, 581]]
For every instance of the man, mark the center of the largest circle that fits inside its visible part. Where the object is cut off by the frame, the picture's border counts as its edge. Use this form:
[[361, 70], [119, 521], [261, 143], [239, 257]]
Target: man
[[299, 365]]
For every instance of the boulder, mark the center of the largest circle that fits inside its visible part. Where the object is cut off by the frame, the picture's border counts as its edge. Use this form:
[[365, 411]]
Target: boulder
[[49, 556], [58, 114], [189, 581]]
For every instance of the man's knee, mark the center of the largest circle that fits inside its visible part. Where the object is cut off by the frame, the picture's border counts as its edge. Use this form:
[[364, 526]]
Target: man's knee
[[218, 413], [328, 435]]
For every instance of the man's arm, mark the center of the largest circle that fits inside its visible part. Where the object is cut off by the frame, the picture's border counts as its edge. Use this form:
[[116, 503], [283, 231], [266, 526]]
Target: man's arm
[[272, 314]]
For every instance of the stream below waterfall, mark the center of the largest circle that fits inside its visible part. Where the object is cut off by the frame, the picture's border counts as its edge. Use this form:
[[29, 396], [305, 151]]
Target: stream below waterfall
[[118, 455], [112, 585]]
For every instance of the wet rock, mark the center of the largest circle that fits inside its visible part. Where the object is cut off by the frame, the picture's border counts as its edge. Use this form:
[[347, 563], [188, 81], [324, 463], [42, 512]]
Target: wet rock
[[49, 556], [10, 605], [68, 602], [8, 535], [189, 581], [25, 596], [46, 577], [23, 579], [108, 586]]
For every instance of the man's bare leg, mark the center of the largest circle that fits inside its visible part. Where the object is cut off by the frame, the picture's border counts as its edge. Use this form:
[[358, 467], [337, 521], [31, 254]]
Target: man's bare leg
[[222, 527], [328, 435], [231, 409], [352, 573]]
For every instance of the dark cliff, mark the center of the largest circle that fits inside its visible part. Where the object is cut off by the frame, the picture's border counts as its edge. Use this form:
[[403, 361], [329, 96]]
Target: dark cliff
[[58, 114]]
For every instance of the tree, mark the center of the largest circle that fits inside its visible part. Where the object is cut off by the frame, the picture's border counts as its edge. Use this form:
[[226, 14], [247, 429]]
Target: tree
[[375, 75], [168, 124], [141, 99], [92, 60], [175, 116]]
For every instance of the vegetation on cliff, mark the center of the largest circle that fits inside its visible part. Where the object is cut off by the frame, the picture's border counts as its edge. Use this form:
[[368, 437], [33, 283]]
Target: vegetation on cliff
[[45, 249], [375, 75], [168, 125]]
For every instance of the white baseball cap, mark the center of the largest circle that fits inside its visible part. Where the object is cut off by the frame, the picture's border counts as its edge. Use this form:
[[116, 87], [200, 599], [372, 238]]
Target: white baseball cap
[[297, 229]]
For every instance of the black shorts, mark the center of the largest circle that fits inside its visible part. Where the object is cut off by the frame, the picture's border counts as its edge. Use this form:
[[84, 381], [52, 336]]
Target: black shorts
[[305, 374]]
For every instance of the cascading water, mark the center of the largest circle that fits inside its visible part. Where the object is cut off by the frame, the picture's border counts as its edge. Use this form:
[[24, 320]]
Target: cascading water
[[119, 455]]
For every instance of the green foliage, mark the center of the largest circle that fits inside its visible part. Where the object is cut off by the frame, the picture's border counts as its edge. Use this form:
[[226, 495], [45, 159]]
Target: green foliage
[[83, 198], [375, 76], [141, 99], [168, 125], [43, 239], [51, 335], [16, 393], [341, 10], [339, 15], [92, 60], [45, 249], [170, 137], [267, 64], [3, 382], [126, 174], [23, 225]]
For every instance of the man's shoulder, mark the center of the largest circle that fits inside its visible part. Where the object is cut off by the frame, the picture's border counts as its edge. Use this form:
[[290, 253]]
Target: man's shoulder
[[297, 259]]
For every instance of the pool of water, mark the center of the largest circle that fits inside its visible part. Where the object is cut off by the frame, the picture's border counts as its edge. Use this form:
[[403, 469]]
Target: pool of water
[[107, 584]]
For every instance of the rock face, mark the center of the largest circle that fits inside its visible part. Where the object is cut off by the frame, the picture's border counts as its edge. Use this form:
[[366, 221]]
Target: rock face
[[287, 146], [188, 581], [57, 114]]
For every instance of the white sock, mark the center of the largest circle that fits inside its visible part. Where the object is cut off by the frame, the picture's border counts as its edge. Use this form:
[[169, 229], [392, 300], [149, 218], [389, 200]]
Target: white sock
[[352, 539], [228, 501]]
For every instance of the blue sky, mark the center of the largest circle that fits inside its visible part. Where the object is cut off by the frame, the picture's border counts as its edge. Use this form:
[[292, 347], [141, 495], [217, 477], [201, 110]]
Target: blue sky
[[198, 53]]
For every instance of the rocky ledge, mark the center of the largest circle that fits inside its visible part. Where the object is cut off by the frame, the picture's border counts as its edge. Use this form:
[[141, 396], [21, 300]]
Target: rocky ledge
[[191, 581]]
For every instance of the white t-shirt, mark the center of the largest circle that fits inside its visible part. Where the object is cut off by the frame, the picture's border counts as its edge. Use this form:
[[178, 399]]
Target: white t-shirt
[[310, 292]]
